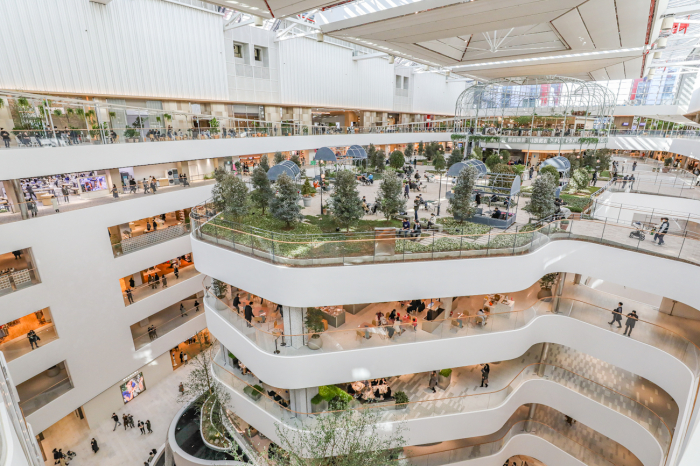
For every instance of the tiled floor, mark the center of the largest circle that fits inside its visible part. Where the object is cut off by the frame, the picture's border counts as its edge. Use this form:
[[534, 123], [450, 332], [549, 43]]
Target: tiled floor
[[120, 447]]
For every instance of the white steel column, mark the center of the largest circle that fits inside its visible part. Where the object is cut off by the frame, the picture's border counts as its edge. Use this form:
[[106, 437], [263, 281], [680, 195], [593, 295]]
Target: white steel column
[[294, 326]]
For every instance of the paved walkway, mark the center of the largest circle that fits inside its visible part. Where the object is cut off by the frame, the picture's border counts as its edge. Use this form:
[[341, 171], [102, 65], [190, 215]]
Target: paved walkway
[[120, 447]]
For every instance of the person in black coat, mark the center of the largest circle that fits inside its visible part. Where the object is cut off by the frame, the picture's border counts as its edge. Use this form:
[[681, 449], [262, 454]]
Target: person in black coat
[[248, 314], [485, 375], [93, 444], [617, 316], [632, 318], [236, 302]]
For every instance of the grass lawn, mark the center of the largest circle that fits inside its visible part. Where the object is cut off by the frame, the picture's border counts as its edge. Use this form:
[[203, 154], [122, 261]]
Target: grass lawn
[[326, 224]]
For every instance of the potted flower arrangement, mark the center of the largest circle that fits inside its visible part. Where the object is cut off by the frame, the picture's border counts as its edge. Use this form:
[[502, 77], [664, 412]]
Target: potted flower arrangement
[[307, 191], [401, 400], [564, 224], [667, 165], [314, 325], [546, 283], [444, 378]]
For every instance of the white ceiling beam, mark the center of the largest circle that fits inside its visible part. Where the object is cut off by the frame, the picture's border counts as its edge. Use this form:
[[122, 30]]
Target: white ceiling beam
[[683, 10], [370, 55], [233, 19], [304, 23], [241, 24], [284, 32], [673, 64]]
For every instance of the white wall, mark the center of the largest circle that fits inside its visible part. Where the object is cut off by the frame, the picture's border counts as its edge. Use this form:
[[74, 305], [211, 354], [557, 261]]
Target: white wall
[[150, 48], [80, 282], [607, 206], [433, 94], [249, 81], [320, 73], [103, 405]]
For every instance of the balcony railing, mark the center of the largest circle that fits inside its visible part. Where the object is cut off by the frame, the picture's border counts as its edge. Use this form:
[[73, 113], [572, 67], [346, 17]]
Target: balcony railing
[[47, 395], [10, 399], [456, 326], [332, 249], [421, 409], [18, 280], [146, 240], [522, 427]]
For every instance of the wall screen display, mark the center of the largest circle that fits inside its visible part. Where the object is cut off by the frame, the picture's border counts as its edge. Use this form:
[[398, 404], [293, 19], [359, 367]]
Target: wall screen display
[[132, 386]]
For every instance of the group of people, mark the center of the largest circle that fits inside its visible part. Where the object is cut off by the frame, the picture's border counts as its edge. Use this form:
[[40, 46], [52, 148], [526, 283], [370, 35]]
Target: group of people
[[64, 458], [128, 421], [632, 319]]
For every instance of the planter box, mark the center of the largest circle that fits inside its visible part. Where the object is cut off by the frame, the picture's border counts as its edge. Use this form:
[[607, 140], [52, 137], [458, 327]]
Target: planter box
[[254, 394], [307, 201], [444, 382]]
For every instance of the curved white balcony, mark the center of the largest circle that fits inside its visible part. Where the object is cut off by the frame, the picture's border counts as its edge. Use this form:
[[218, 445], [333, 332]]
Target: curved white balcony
[[632, 425], [317, 272]]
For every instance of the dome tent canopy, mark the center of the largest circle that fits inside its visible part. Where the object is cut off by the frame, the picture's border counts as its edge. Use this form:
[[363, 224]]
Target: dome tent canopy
[[326, 155], [357, 152], [288, 167], [478, 164], [562, 164]]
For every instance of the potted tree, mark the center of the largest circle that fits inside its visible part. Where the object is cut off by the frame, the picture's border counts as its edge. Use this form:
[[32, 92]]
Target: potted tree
[[564, 224], [219, 289], [401, 400], [444, 378], [667, 164], [314, 325], [546, 283], [307, 191]]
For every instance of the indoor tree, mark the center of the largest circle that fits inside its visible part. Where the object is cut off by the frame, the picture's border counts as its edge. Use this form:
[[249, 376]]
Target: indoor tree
[[492, 160], [345, 437], [295, 158], [262, 193], [230, 194], [390, 195], [201, 384], [278, 158], [265, 163], [455, 157], [345, 202], [378, 161], [541, 203], [408, 153], [579, 180], [396, 160], [285, 205], [461, 202], [421, 148]]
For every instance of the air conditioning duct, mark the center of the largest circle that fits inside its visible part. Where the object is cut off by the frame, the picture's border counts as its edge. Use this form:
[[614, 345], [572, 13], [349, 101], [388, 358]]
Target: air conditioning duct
[[667, 23]]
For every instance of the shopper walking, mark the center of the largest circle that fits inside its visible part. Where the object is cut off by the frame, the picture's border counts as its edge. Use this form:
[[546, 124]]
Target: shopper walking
[[663, 229], [115, 418], [66, 193], [153, 185], [432, 383], [485, 375], [94, 446], [142, 427], [148, 426], [236, 302], [5, 137], [182, 310], [131, 421], [33, 339], [196, 306], [182, 358], [248, 314], [185, 358], [115, 191], [632, 318], [634, 165], [156, 280], [617, 316], [150, 281], [181, 389], [129, 296], [125, 418], [594, 180], [176, 271], [165, 281], [151, 455]]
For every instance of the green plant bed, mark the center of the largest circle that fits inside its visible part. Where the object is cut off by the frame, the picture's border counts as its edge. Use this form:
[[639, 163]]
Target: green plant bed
[[604, 174], [439, 245], [446, 372], [575, 203], [453, 227], [255, 392], [326, 224]]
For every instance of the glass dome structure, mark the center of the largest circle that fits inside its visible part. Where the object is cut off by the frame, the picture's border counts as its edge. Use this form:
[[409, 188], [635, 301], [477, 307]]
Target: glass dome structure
[[548, 101]]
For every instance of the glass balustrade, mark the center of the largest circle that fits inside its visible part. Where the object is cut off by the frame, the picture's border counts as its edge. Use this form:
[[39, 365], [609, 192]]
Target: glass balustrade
[[391, 412]]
